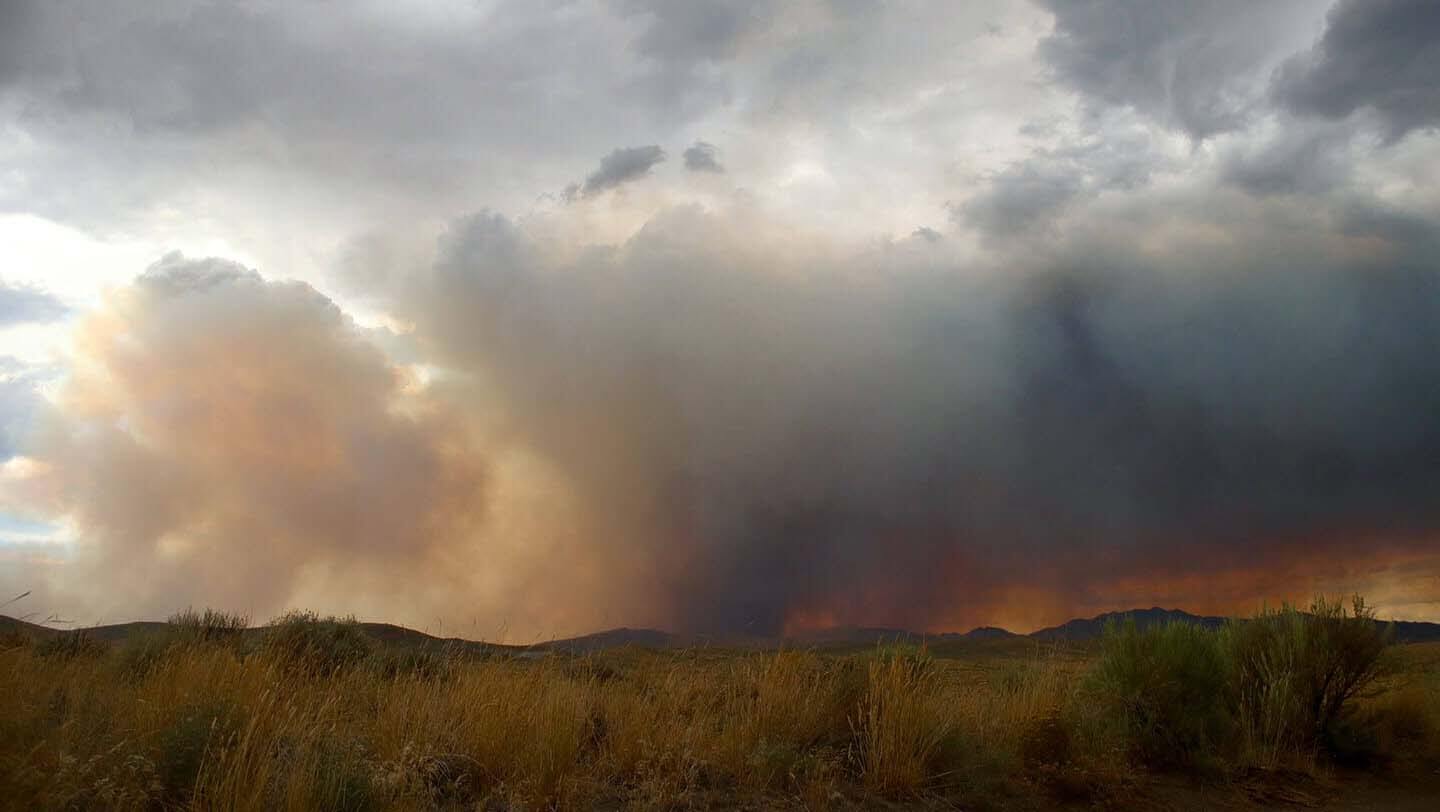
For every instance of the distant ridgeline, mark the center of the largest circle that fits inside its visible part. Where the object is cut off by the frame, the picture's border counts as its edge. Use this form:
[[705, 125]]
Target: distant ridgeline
[[1077, 630]]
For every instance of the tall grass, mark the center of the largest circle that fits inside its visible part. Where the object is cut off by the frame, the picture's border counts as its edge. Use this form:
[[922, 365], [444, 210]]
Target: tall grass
[[303, 715]]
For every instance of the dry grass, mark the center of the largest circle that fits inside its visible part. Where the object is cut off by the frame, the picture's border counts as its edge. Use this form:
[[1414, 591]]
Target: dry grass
[[214, 725]]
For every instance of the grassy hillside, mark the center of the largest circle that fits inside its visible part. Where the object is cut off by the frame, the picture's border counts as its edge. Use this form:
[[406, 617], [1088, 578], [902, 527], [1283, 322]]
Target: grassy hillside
[[314, 713]]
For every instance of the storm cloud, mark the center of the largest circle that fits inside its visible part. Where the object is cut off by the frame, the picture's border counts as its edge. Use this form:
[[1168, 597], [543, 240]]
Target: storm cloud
[[1380, 55], [1195, 64], [1174, 346]]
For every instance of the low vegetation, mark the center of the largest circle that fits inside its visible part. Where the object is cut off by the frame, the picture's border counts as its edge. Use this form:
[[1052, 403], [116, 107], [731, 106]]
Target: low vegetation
[[310, 713]]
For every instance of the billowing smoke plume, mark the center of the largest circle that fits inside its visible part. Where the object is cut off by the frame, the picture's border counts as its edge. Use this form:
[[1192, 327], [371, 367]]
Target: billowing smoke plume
[[721, 425], [785, 432]]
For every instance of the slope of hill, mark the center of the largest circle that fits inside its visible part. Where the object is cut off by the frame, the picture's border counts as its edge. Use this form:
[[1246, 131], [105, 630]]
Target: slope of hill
[[986, 633], [1092, 628], [611, 638]]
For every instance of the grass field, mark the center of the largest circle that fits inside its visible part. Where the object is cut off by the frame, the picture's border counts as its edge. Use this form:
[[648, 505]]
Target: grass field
[[313, 714]]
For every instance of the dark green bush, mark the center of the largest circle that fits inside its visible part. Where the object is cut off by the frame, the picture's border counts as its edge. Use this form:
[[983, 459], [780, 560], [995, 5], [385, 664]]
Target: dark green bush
[[306, 642], [1168, 685]]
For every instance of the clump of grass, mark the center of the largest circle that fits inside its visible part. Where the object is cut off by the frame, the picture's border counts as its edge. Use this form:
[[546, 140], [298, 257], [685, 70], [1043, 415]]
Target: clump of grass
[[900, 728], [14, 638], [198, 729], [414, 663], [71, 645]]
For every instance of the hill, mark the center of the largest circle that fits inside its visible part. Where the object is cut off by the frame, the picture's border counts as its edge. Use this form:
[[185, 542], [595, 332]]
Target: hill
[[1076, 630], [1092, 628]]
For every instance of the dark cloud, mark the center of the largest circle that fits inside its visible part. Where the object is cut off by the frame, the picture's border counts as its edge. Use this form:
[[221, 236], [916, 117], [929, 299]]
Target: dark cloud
[[129, 104], [1161, 361], [703, 157], [622, 165], [1381, 55], [1297, 160], [1196, 65], [20, 305]]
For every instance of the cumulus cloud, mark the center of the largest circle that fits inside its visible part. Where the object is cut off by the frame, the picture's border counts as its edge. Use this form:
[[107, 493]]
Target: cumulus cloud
[[622, 165], [703, 157], [22, 304], [1380, 55]]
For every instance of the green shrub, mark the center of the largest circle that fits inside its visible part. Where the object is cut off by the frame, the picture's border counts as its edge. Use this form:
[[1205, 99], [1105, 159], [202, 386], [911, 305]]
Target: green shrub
[[305, 642], [1295, 676], [1167, 685]]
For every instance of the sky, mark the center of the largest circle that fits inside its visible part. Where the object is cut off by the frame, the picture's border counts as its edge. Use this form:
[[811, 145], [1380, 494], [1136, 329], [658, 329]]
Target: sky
[[522, 319]]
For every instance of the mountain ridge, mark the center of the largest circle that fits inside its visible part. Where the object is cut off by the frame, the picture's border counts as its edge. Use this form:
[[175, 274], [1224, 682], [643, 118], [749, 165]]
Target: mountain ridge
[[1074, 630]]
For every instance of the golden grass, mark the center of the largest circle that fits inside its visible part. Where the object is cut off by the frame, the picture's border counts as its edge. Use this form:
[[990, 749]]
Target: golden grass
[[211, 726]]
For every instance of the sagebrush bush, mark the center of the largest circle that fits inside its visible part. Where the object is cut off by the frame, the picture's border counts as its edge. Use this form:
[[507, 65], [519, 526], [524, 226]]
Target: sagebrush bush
[[1168, 686], [306, 642], [1295, 675]]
